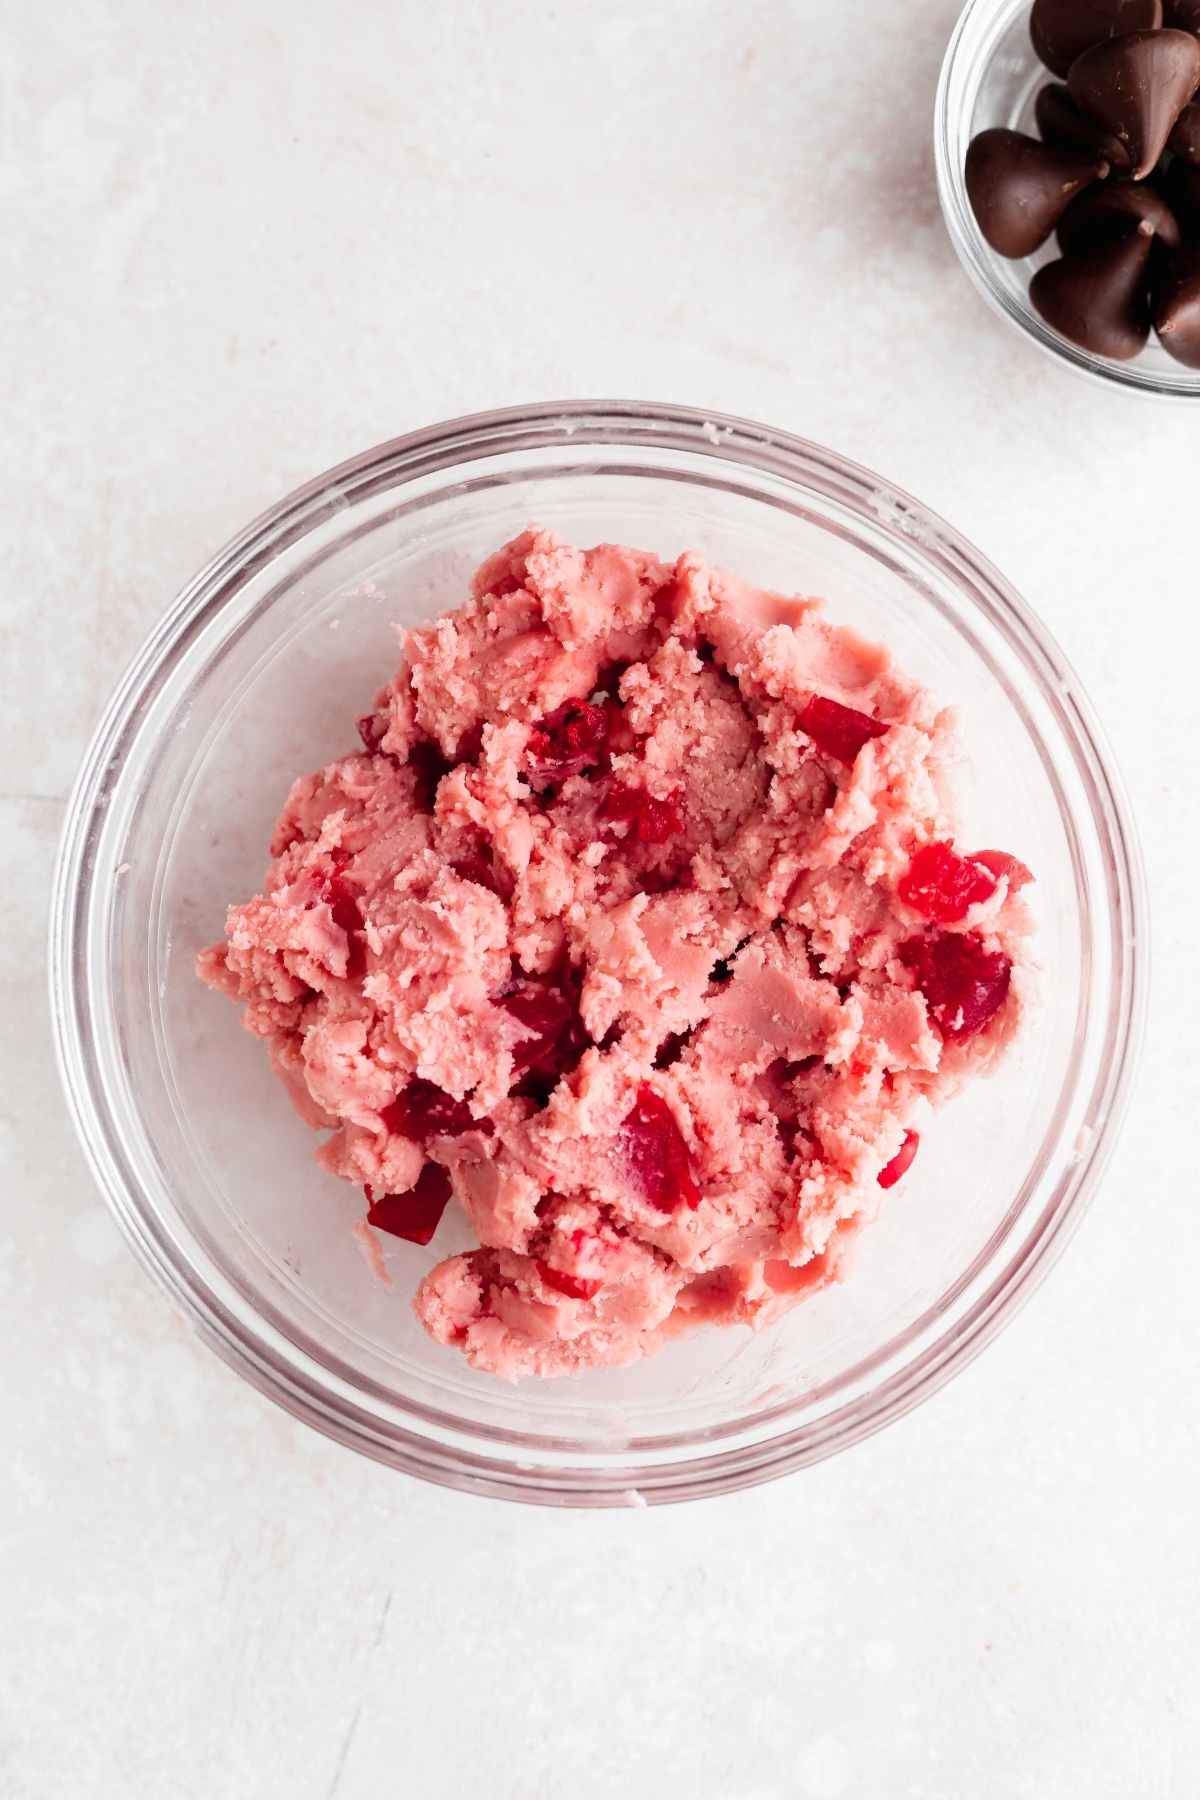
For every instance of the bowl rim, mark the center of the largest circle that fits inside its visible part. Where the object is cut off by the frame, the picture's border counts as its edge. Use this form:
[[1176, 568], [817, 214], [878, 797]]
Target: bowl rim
[[978, 19], [254, 1351]]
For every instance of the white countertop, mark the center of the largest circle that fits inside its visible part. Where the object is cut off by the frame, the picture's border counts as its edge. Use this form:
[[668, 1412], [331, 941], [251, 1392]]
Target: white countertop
[[241, 242]]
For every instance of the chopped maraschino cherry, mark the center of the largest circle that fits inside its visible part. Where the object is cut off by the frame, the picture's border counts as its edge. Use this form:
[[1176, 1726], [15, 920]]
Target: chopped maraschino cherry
[[666, 598], [345, 912], [839, 730], [964, 983], [1006, 867], [552, 1013], [372, 729], [342, 904], [415, 1215], [425, 1110], [656, 1153], [621, 735], [429, 765], [944, 886], [902, 1162], [576, 1287], [572, 738], [671, 1049], [480, 867], [469, 747], [649, 821]]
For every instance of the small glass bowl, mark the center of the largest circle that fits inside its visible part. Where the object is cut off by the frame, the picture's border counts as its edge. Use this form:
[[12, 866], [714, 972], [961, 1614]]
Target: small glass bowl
[[259, 669], [991, 77]]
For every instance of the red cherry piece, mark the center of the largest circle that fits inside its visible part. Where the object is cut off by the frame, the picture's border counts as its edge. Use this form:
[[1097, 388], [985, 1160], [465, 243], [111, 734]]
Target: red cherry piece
[[671, 1049], [839, 730], [342, 904], [621, 735], [415, 1215], [429, 765], [372, 728], [470, 745], [964, 983], [572, 738], [576, 1287], [656, 1153], [344, 908], [608, 682], [561, 1039], [1004, 867], [649, 821], [944, 886], [424, 1111], [902, 1162], [667, 598], [480, 867]]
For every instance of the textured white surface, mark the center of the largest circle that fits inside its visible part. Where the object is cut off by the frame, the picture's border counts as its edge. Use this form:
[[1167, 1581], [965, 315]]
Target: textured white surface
[[242, 241]]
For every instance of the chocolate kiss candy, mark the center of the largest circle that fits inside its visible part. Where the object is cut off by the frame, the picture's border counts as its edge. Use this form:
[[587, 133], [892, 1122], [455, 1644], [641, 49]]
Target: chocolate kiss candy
[[1182, 13], [1137, 86], [1060, 122], [1099, 300], [1181, 185], [1103, 215], [1185, 139], [1019, 189], [1063, 29], [1177, 312]]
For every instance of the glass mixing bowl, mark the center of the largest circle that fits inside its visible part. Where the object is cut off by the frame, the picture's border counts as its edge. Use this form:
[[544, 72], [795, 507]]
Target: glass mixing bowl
[[991, 77], [259, 670]]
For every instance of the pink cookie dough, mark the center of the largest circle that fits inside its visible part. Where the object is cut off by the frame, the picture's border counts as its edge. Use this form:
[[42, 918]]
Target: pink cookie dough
[[637, 928]]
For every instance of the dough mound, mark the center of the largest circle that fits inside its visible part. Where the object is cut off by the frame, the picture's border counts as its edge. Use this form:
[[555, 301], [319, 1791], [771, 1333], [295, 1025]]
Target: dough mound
[[635, 927]]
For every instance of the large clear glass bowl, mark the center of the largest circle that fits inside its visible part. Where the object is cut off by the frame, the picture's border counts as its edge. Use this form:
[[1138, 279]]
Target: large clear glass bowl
[[991, 76], [257, 672]]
